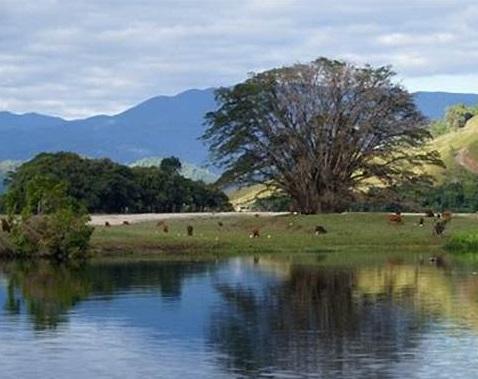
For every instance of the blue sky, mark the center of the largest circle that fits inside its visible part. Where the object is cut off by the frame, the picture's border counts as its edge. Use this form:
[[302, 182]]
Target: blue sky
[[79, 58]]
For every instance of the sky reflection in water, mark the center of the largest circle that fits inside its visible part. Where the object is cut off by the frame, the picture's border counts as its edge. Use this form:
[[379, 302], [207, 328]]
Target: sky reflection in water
[[238, 319]]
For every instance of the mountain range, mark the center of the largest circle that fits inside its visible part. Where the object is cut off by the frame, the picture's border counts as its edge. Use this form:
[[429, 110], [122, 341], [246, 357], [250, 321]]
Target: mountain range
[[159, 127]]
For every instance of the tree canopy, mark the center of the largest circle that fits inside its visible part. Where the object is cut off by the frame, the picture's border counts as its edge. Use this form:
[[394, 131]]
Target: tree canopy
[[318, 132], [103, 186]]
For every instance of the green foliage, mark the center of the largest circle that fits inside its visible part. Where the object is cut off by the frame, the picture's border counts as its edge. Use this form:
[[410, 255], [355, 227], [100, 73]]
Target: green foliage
[[103, 186], [51, 224], [457, 115], [455, 118], [170, 166], [439, 128], [462, 243]]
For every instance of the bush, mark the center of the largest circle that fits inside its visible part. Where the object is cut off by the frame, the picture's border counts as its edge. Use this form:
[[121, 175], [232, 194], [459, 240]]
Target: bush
[[61, 235], [462, 243], [51, 224]]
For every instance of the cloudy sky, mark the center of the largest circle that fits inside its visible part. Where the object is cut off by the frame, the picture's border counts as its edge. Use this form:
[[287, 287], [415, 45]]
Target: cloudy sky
[[77, 58]]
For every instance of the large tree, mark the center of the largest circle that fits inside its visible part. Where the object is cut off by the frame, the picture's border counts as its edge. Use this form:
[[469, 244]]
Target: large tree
[[318, 131]]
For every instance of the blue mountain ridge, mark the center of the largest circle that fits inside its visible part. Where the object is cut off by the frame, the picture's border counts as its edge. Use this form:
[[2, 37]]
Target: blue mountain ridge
[[161, 126]]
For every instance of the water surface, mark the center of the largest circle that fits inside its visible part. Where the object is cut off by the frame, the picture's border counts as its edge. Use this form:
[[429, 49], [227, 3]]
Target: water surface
[[239, 318]]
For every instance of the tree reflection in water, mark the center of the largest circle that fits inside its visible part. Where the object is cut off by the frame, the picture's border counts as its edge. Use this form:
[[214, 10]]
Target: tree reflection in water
[[48, 291], [314, 322]]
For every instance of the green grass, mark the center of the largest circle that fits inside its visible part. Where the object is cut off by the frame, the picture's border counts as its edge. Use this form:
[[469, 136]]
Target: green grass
[[462, 243], [354, 233]]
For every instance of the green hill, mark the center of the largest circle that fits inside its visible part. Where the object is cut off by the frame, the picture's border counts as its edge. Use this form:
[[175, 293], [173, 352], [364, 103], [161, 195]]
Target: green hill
[[457, 149]]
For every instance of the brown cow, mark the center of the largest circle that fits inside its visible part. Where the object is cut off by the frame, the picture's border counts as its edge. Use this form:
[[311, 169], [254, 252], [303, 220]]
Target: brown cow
[[126, 223], [255, 233], [395, 218], [446, 215]]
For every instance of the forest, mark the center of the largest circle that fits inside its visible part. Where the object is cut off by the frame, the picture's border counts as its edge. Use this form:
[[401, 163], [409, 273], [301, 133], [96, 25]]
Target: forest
[[103, 186]]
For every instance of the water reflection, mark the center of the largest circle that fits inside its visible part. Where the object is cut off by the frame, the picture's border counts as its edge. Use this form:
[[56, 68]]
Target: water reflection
[[239, 318]]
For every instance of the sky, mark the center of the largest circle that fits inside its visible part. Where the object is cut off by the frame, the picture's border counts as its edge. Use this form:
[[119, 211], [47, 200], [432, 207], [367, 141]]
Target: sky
[[79, 58]]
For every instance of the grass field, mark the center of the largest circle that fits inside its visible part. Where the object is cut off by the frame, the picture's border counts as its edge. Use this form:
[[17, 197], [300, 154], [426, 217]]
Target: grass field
[[355, 234]]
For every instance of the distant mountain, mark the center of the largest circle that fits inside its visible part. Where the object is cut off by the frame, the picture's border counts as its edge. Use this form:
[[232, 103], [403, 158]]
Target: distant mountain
[[434, 104], [162, 126]]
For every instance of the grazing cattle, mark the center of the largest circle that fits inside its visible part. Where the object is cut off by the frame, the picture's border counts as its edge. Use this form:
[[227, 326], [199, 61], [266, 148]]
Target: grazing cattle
[[446, 215], [429, 213], [126, 223], [190, 230], [395, 218], [107, 224], [165, 228], [320, 230], [6, 226], [439, 228], [255, 233]]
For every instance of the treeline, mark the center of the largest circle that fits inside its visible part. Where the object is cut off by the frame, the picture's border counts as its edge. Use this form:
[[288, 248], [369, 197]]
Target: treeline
[[103, 186]]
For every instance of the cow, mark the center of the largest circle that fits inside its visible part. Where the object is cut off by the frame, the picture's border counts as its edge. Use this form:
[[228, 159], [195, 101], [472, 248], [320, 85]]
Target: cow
[[439, 228], [446, 215], [107, 224], [6, 226], [126, 223], [255, 233], [320, 230], [395, 218]]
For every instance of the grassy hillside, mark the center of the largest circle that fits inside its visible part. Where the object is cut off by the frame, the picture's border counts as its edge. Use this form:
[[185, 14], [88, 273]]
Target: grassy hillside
[[460, 143]]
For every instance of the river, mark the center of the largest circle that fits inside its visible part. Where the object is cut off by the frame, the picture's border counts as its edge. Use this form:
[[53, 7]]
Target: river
[[271, 317]]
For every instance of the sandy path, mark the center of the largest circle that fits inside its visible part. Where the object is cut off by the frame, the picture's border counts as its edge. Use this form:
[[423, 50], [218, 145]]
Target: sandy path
[[117, 219]]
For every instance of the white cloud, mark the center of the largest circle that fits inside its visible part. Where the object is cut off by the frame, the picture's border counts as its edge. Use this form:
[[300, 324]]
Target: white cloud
[[77, 59]]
